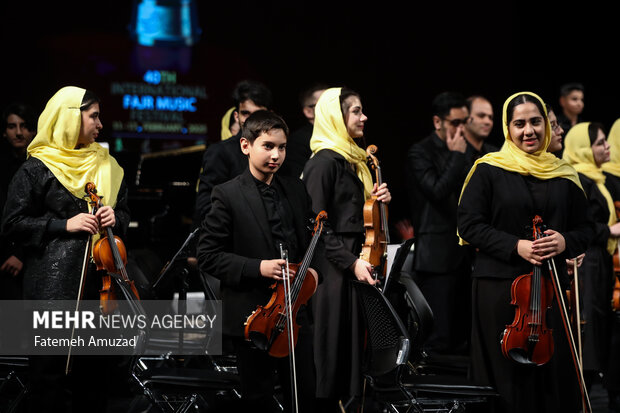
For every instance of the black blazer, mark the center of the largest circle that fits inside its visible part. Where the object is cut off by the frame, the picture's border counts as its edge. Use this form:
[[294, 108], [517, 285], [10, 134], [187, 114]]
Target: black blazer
[[435, 176], [496, 210], [235, 237], [221, 162]]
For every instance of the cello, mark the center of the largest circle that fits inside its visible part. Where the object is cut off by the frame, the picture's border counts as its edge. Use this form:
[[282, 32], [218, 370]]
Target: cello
[[374, 249]]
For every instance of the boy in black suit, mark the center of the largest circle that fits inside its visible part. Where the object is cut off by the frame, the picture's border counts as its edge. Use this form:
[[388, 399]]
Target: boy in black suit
[[250, 216]]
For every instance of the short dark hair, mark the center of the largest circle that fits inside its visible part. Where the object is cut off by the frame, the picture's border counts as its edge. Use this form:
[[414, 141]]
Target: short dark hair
[[566, 88], [309, 91], [254, 91], [262, 121], [593, 129], [519, 100], [445, 101], [22, 110]]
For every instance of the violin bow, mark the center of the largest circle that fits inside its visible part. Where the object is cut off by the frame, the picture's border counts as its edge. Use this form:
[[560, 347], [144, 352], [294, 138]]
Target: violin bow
[[81, 288], [585, 399], [286, 274]]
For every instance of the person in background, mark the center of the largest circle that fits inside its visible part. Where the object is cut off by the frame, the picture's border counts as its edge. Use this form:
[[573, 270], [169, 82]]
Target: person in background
[[479, 126], [587, 150], [436, 168], [19, 128], [298, 146], [224, 160], [611, 170], [571, 103], [230, 125]]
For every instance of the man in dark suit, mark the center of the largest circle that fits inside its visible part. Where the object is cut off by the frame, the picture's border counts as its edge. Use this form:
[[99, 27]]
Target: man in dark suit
[[224, 160], [250, 217], [436, 168]]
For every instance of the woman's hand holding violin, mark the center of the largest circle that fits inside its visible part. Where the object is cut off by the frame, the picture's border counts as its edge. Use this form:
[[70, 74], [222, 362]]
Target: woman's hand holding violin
[[104, 217], [83, 222], [550, 246], [382, 193]]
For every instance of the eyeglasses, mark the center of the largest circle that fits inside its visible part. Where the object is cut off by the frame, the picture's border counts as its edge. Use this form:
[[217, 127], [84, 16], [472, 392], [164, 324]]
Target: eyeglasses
[[456, 122], [555, 126]]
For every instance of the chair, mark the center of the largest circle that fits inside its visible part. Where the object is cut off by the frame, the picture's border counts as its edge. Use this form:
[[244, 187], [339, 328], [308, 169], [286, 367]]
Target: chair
[[411, 306], [394, 381], [13, 382], [173, 387]]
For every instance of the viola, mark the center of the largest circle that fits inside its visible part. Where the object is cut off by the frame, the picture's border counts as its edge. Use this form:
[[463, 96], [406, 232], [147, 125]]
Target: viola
[[374, 249], [528, 340], [110, 255], [266, 327]]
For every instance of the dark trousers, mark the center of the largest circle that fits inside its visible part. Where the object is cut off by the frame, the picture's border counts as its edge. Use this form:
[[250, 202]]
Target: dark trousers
[[260, 373]]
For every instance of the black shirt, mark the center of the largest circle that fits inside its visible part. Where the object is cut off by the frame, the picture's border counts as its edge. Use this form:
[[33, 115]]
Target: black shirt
[[280, 217]]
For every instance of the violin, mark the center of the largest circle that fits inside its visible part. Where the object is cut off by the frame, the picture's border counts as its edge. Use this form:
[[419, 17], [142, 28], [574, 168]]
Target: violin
[[615, 300], [266, 327], [374, 249], [110, 254], [528, 340]]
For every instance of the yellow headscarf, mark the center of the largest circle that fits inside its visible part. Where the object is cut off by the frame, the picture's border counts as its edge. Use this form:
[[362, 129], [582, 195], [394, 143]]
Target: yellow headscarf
[[225, 132], [54, 145], [613, 166], [578, 152], [330, 132], [540, 164]]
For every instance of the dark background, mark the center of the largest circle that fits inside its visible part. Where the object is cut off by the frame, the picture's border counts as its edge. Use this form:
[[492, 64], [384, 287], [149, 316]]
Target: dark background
[[397, 55]]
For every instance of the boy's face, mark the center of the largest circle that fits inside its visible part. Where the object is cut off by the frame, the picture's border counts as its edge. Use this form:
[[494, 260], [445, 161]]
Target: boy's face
[[573, 102], [266, 154]]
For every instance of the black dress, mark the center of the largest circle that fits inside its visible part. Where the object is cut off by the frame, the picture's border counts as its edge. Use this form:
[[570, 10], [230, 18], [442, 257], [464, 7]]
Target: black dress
[[335, 188], [495, 211], [597, 282], [612, 378]]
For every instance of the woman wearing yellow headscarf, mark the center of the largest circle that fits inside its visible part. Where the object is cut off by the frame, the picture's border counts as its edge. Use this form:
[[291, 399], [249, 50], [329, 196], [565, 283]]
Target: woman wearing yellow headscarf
[[502, 194], [339, 182], [611, 170], [50, 218], [587, 149]]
